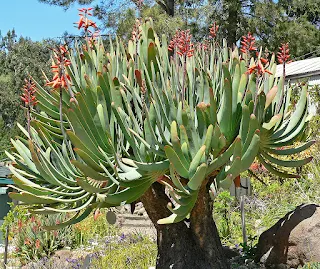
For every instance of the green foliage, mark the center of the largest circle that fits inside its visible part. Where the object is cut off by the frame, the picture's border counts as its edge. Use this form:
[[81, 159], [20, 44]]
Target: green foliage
[[15, 215], [19, 57], [227, 219], [132, 251], [138, 117], [249, 248], [66, 3], [273, 27], [311, 265], [163, 23], [89, 229], [6, 133]]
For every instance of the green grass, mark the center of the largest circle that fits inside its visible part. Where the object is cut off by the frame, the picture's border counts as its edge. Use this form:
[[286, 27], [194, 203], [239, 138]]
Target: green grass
[[132, 251], [315, 265]]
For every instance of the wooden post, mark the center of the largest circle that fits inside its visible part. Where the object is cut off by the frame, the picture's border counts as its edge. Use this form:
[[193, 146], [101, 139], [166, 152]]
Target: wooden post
[[6, 243], [243, 220]]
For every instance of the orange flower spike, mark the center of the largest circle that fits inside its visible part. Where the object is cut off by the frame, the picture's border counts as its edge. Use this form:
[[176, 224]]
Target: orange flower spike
[[37, 244], [283, 55], [84, 22], [264, 61], [213, 30], [247, 43], [58, 68], [259, 69], [251, 69], [28, 95]]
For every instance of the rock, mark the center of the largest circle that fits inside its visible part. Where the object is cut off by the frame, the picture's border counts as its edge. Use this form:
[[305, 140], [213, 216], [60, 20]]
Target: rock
[[141, 211], [230, 253], [293, 241]]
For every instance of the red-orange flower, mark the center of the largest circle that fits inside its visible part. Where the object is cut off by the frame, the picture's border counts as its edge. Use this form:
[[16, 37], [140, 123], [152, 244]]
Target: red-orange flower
[[214, 30], [37, 244], [34, 228], [283, 54], [247, 43], [257, 167], [136, 32], [174, 41], [84, 22], [264, 60], [181, 42], [27, 242], [258, 69], [20, 224], [61, 79], [92, 40], [97, 214], [28, 95], [202, 46]]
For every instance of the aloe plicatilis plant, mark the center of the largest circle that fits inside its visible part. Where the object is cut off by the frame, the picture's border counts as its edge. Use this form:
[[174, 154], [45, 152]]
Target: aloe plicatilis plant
[[167, 127]]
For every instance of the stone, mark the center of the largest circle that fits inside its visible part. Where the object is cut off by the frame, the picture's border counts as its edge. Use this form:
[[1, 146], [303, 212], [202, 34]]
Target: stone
[[230, 252], [293, 241]]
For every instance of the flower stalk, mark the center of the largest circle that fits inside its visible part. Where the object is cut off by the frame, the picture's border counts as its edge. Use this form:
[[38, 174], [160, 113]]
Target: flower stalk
[[283, 57], [181, 44], [29, 99], [61, 79]]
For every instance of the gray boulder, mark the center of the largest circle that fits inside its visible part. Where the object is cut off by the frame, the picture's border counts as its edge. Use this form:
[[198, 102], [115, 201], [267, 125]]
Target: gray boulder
[[293, 241]]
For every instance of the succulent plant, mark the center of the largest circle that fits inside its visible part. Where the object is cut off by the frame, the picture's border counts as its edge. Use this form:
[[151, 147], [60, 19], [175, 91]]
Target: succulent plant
[[139, 113]]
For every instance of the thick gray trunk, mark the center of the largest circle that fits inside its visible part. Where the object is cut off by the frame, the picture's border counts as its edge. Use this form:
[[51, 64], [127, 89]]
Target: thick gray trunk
[[185, 245]]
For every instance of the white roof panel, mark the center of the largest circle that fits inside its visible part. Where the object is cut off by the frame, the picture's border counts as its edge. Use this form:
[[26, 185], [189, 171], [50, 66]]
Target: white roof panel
[[298, 68]]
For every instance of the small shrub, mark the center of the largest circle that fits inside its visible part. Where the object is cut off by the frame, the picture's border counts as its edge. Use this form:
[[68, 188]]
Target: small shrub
[[32, 242], [92, 228]]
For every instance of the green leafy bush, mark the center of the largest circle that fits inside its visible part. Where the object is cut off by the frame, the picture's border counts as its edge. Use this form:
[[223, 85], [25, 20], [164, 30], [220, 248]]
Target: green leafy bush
[[32, 241], [91, 228]]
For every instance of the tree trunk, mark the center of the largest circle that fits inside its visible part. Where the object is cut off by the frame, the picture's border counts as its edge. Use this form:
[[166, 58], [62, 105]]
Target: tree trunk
[[191, 244], [167, 6], [170, 7], [233, 9]]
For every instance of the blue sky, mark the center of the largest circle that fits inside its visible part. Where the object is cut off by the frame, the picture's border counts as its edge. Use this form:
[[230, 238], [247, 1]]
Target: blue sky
[[36, 20]]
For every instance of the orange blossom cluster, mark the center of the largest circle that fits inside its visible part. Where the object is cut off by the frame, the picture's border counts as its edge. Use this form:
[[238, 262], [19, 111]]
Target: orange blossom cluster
[[28, 95], [214, 30], [248, 43], [283, 54], [181, 41], [60, 78]]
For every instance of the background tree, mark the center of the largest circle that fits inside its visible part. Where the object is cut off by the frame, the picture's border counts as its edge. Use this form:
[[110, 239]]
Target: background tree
[[19, 57], [272, 22], [276, 22]]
